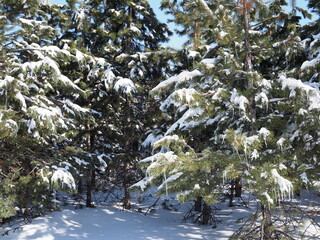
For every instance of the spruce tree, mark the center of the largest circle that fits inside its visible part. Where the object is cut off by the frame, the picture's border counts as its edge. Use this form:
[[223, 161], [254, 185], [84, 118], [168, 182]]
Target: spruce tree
[[37, 107], [235, 117], [126, 37]]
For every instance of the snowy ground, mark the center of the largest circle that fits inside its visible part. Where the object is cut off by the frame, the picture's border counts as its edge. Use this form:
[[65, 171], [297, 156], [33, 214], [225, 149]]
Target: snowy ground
[[107, 222], [110, 222]]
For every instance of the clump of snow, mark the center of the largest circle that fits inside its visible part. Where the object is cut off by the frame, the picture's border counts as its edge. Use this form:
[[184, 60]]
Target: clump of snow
[[166, 141], [264, 133], [282, 166], [269, 199], [22, 101], [73, 108], [197, 187], [44, 178], [62, 177], [182, 77], [210, 62], [312, 93], [162, 159], [222, 34], [186, 121], [142, 184], [280, 143], [304, 178], [302, 111], [239, 100], [151, 139], [80, 18], [263, 98], [135, 29], [179, 97], [125, 85], [255, 154], [102, 161], [12, 125], [31, 124], [193, 54], [80, 161]]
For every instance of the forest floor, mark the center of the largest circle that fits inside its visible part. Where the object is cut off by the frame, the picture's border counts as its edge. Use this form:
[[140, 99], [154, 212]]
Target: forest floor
[[108, 221]]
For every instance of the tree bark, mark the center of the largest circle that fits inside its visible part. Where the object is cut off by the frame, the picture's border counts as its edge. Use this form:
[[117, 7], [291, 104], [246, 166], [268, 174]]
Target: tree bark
[[248, 59], [206, 214], [126, 199], [266, 223], [91, 171], [198, 204], [90, 187], [231, 194]]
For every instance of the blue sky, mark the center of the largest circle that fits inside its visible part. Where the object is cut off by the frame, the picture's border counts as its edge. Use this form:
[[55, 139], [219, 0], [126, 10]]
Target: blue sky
[[177, 41]]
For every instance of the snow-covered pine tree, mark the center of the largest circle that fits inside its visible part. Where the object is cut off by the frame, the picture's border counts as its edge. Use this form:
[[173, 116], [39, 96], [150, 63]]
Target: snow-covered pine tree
[[37, 106], [309, 74], [236, 117], [126, 35]]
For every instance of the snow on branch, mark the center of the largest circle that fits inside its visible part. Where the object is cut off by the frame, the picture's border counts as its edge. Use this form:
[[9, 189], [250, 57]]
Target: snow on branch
[[170, 179], [313, 94], [208, 10], [62, 177], [285, 187], [182, 77], [125, 85]]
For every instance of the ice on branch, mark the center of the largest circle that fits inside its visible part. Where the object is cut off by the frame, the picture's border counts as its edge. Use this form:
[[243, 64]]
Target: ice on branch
[[284, 188], [170, 179], [161, 159]]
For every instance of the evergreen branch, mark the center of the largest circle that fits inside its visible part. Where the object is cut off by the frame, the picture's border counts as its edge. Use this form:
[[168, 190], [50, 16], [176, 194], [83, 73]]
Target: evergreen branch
[[26, 49], [205, 5]]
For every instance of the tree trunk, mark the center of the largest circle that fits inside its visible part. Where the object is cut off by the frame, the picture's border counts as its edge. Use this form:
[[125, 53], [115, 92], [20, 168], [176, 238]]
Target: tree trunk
[[266, 232], [206, 214], [90, 187], [80, 186], [248, 58], [198, 204], [196, 35], [91, 171], [237, 188], [126, 198], [231, 194]]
